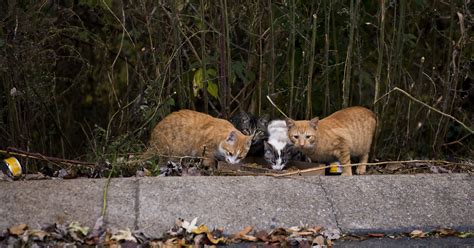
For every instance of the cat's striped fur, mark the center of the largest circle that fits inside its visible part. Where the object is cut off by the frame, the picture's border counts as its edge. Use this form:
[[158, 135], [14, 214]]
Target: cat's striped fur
[[344, 134]]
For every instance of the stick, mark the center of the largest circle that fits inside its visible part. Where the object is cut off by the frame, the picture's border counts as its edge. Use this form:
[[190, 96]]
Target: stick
[[38, 156], [428, 106], [274, 105], [350, 165]]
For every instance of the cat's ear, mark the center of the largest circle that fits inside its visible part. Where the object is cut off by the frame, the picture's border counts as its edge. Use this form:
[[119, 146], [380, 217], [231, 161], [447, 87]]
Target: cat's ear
[[245, 116], [232, 137], [314, 122], [264, 119], [289, 123]]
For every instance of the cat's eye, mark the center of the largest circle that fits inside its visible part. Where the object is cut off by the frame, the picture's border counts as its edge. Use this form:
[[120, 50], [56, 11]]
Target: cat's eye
[[230, 154], [307, 136], [296, 136]]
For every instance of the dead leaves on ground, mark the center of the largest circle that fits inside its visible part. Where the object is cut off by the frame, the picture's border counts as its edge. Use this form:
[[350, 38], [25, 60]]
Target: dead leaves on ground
[[186, 233]]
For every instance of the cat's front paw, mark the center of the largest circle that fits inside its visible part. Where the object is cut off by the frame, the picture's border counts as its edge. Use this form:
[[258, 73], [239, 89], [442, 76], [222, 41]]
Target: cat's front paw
[[360, 170], [347, 171]]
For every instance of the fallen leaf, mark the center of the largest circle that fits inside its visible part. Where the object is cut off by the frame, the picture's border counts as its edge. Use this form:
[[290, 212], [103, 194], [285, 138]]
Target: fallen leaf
[[76, 227], [277, 238], [199, 240], [189, 226], [331, 233], [319, 240], [128, 244], [124, 235], [18, 230], [200, 229], [417, 234], [466, 235], [38, 234], [315, 229], [446, 232], [393, 167], [262, 235], [294, 229], [248, 238], [215, 240], [279, 231], [245, 231], [303, 233], [378, 235]]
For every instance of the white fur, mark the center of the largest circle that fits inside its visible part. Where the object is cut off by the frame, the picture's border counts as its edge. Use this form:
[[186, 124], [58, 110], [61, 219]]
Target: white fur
[[229, 159], [278, 138]]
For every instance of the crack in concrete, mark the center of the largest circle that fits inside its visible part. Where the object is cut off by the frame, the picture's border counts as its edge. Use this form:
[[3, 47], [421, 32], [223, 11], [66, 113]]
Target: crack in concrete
[[137, 203], [330, 203]]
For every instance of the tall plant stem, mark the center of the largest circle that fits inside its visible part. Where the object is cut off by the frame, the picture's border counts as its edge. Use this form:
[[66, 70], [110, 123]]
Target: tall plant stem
[[327, 98], [229, 60], [380, 50], [292, 57], [222, 63], [346, 83], [309, 103], [203, 60], [272, 56]]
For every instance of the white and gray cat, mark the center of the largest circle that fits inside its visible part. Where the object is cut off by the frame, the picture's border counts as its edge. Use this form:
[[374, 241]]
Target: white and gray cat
[[279, 149]]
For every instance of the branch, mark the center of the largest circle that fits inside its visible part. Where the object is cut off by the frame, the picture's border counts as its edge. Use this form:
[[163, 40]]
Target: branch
[[428, 106], [38, 156], [299, 172]]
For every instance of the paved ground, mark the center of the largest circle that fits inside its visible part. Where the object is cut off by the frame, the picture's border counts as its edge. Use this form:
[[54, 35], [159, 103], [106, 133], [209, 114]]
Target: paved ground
[[358, 204]]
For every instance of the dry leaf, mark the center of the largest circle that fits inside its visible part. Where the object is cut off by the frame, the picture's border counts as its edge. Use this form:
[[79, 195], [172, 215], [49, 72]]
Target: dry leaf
[[277, 238], [246, 230], [248, 238], [465, 235], [39, 234], [446, 232], [294, 229], [304, 233], [319, 240], [331, 233], [215, 240], [189, 226], [378, 235], [417, 234], [18, 230], [262, 235], [315, 229], [124, 235], [393, 167], [76, 227], [200, 229]]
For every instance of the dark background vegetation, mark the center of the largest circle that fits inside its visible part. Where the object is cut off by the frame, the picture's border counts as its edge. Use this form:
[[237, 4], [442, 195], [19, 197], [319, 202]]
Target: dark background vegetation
[[88, 79]]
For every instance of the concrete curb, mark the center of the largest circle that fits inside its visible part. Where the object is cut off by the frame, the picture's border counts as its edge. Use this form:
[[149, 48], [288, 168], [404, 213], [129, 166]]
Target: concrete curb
[[358, 204]]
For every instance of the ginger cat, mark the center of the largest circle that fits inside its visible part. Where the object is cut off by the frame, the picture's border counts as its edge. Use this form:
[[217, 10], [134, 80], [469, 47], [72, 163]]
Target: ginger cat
[[187, 132], [344, 134]]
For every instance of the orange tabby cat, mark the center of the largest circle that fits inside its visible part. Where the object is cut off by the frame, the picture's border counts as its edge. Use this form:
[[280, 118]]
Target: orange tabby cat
[[188, 133], [344, 134]]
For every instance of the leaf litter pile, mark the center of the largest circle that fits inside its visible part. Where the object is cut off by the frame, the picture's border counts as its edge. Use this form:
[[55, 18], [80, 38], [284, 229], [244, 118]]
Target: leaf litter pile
[[186, 234]]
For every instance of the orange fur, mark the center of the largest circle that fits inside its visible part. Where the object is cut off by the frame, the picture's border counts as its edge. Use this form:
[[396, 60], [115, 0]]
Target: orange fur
[[188, 133], [344, 134]]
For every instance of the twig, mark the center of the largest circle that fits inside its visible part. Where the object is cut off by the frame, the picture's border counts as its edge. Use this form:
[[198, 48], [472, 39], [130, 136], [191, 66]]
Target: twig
[[274, 105], [350, 165], [38, 156], [428, 106]]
